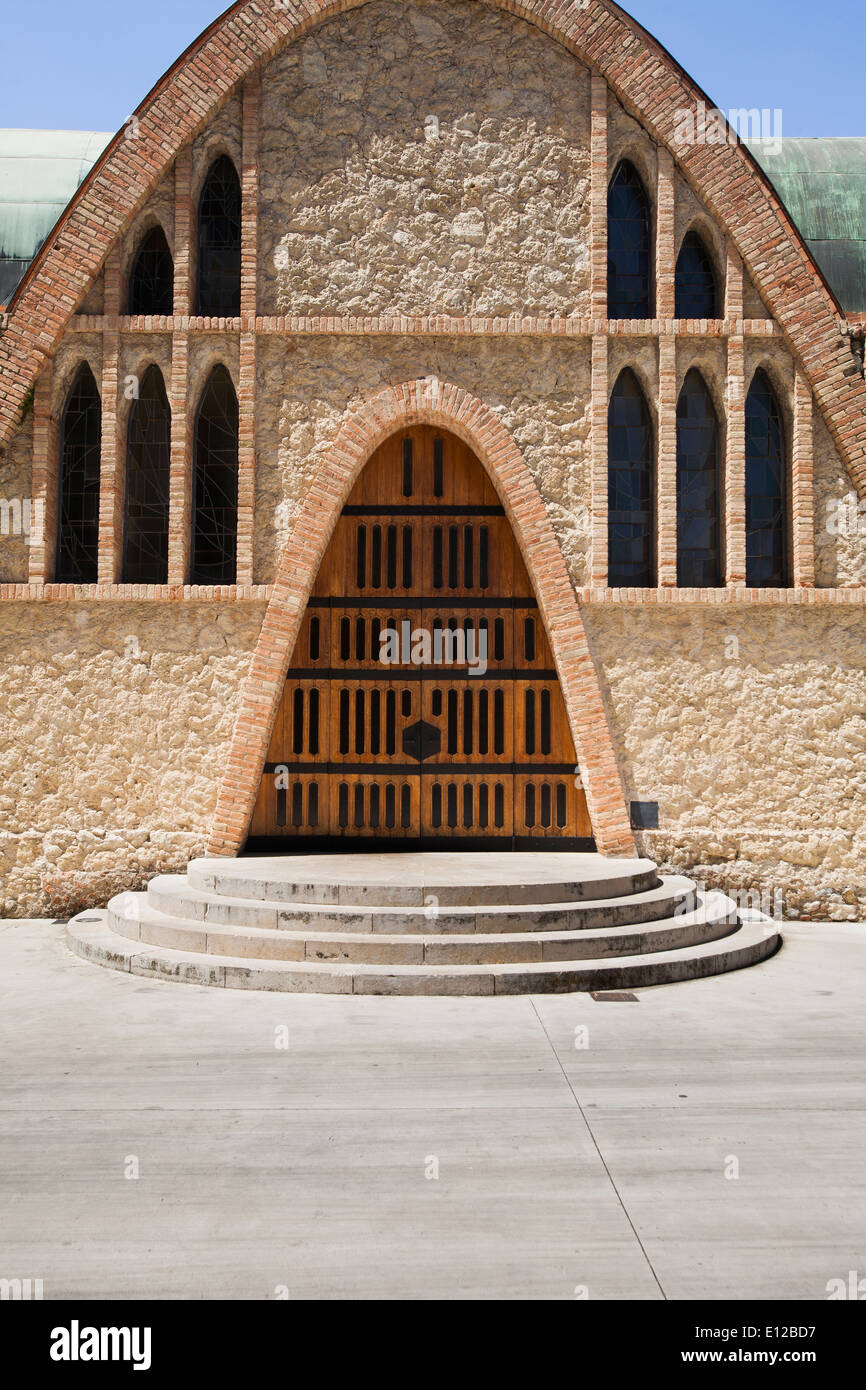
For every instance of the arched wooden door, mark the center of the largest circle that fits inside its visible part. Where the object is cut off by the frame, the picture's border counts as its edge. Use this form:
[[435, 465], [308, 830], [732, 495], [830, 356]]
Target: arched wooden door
[[422, 707]]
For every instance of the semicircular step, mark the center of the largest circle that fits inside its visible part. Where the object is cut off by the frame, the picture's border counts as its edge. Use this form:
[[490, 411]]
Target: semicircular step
[[413, 880], [133, 918], [173, 895], [746, 945]]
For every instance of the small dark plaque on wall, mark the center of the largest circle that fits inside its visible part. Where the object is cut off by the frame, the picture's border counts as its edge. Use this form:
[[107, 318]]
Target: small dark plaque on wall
[[644, 815]]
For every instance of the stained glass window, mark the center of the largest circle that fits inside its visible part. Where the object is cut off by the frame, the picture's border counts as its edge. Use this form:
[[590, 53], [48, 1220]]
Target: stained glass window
[[766, 522], [696, 295], [215, 496], [629, 291], [151, 281], [631, 549], [78, 493], [219, 242], [698, 526], [148, 463]]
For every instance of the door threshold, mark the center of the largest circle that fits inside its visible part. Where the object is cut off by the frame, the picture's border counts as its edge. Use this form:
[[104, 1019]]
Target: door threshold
[[258, 845]]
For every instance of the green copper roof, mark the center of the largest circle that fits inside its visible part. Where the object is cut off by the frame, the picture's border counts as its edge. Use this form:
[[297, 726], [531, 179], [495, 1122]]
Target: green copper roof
[[823, 185], [821, 182], [39, 172]]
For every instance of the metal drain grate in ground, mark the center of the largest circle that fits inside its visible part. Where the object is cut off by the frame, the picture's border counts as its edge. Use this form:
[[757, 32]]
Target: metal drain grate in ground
[[613, 997]]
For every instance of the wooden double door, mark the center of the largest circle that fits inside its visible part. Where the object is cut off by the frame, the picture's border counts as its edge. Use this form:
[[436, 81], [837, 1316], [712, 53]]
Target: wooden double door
[[422, 707]]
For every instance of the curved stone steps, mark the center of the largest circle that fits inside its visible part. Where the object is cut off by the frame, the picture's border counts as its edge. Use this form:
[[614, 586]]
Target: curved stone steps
[[173, 895], [413, 880], [91, 937], [410, 923], [133, 917]]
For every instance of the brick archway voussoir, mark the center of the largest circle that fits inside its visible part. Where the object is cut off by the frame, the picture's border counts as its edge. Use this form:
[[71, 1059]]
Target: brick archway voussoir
[[423, 401]]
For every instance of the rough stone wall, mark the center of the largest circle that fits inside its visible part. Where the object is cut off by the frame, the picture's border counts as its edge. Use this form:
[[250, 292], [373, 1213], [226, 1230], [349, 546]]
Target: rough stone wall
[[160, 209], [94, 300], [425, 161], [540, 391], [753, 305], [222, 136], [136, 355], [115, 720], [15, 475], [748, 728], [690, 213], [74, 349], [771, 356], [112, 752], [627, 139], [641, 356], [205, 352], [710, 358], [840, 518]]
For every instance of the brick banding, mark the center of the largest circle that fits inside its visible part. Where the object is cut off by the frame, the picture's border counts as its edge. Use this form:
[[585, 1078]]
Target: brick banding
[[587, 595], [431, 325]]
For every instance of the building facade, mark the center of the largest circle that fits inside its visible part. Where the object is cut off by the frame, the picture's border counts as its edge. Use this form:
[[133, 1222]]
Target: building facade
[[427, 315]]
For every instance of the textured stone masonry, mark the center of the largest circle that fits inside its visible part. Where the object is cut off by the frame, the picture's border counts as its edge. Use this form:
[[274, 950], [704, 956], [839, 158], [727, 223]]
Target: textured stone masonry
[[640, 73], [397, 268]]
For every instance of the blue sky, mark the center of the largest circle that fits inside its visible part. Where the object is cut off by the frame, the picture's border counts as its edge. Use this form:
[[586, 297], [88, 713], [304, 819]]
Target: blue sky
[[97, 59]]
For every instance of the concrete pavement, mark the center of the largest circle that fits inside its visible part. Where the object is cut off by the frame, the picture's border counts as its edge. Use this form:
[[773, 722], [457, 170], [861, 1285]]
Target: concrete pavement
[[433, 1148]]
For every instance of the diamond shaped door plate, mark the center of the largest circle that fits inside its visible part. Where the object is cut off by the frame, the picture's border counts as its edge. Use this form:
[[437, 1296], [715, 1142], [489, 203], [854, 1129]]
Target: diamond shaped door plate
[[422, 740]]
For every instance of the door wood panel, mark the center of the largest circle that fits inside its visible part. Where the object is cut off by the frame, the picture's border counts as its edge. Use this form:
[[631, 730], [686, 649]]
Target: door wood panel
[[468, 746]]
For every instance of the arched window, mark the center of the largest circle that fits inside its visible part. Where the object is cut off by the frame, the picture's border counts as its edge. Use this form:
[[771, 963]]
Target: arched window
[[630, 487], [628, 246], [148, 461], [219, 242], [151, 280], [78, 492], [696, 294], [215, 495], [698, 523], [766, 527]]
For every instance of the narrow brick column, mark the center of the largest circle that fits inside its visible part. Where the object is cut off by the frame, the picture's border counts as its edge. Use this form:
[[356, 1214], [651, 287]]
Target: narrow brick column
[[802, 486], [733, 283], [180, 477], [598, 197], [735, 464], [665, 244], [247, 381], [600, 395], [43, 486], [184, 232], [180, 484], [735, 451], [666, 476], [246, 457], [111, 471], [250, 196]]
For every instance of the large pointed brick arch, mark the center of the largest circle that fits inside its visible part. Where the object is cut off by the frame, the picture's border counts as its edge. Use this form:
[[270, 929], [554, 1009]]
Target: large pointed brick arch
[[431, 402], [640, 72]]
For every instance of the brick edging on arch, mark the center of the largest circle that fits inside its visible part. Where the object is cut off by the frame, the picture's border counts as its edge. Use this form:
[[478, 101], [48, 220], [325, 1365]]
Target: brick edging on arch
[[431, 402], [640, 72]]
